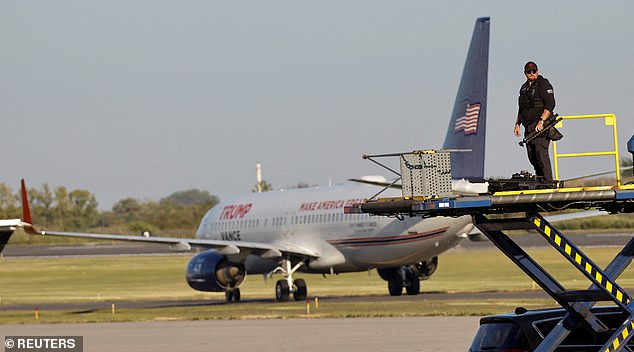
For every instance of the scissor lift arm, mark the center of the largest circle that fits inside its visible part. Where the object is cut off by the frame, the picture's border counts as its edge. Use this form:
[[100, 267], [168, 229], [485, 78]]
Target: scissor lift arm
[[528, 204], [577, 303]]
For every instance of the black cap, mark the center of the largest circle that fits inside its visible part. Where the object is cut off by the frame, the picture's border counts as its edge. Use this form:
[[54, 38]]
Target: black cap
[[530, 66]]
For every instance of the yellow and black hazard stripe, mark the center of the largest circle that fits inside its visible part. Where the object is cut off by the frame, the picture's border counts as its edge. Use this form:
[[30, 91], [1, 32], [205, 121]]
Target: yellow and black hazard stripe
[[620, 338], [583, 263]]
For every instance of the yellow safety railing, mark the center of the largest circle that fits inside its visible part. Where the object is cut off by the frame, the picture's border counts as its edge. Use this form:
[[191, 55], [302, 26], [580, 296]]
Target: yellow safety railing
[[610, 120]]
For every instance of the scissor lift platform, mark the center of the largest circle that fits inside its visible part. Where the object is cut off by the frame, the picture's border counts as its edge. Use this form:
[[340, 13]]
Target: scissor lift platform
[[609, 198], [603, 286], [523, 207]]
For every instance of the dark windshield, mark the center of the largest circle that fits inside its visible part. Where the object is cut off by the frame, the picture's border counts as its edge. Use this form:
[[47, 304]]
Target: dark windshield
[[499, 336]]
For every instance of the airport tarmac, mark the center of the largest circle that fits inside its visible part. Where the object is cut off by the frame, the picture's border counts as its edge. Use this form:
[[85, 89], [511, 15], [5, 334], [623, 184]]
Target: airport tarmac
[[423, 296], [359, 334], [344, 335], [111, 248]]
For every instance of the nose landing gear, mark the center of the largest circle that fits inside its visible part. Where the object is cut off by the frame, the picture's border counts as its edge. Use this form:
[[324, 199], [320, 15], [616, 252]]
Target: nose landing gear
[[284, 287]]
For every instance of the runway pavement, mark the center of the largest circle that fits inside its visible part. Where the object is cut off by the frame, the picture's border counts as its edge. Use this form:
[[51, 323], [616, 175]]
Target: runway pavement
[[125, 248], [359, 334], [322, 335], [423, 296]]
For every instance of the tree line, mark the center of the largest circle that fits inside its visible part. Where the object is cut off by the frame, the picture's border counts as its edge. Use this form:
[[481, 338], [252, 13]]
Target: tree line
[[77, 210], [61, 209]]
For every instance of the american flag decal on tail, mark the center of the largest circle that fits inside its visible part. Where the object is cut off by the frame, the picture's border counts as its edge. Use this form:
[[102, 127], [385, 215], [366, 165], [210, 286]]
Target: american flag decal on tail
[[469, 122]]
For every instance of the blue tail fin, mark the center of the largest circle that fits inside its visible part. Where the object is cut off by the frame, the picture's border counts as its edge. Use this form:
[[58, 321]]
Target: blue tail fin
[[467, 127]]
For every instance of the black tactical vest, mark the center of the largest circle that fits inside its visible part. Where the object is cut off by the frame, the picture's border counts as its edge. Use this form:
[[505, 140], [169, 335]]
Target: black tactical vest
[[528, 98]]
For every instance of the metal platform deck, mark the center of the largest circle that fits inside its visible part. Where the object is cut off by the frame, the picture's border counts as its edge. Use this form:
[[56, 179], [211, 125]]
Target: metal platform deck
[[611, 199], [420, 173]]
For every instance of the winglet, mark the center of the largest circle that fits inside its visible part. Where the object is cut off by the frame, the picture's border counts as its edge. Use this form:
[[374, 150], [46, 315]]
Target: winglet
[[26, 212]]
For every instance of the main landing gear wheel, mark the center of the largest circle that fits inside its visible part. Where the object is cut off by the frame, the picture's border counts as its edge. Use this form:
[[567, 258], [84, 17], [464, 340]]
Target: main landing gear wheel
[[233, 295], [395, 285], [300, 292], [282, 291], [413, 285]]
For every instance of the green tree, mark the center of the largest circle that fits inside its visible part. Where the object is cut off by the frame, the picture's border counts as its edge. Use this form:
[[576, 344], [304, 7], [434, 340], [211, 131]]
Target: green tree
[[9, 203], [128, 209], [46, 197], [61, 209], [266, 187], [191, 197], [62, 203], [42, 205], [177, 214], [83, 209], [77, 210]]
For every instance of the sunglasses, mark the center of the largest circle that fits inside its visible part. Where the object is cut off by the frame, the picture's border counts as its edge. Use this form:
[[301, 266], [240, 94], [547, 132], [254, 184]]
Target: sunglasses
[[531, 71]]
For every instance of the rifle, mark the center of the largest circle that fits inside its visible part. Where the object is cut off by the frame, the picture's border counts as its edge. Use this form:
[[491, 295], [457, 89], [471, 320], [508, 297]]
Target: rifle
[[548, 125]]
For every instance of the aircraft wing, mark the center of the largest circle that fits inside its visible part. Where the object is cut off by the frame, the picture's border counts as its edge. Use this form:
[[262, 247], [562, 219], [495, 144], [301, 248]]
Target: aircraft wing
[[264, 250], [7, 226]]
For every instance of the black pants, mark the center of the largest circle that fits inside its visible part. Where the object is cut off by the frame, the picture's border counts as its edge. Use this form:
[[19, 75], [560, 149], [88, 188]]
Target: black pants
[[537, 150]]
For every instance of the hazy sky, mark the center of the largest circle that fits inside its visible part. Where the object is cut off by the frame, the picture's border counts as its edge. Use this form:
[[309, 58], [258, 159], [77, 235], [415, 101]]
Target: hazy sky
[[145, 98]]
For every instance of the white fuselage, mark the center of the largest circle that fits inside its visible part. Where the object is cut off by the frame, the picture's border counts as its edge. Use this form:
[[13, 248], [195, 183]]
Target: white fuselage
[[313, 219]]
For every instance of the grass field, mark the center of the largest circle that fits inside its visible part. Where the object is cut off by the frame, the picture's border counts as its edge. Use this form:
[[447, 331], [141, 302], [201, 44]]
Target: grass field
[[33, 282]]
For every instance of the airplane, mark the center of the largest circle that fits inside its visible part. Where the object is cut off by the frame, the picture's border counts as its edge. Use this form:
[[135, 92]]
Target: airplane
[[7, 227], [306, 230]]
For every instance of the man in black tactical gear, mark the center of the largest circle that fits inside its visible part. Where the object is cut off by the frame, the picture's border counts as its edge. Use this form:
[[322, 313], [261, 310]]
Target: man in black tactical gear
[[536, 104]]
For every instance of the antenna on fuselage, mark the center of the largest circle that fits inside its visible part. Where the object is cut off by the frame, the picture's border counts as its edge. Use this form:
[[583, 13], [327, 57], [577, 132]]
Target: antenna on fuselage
[[258, 176]]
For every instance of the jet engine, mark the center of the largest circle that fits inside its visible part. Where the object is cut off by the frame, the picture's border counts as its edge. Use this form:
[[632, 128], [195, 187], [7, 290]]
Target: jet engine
[[210, 271], [425, 268]]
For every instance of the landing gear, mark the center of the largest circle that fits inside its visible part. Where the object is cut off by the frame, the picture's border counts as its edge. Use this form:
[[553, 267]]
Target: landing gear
[[395, 285], [412, 286], [300, 290], [281, 291], [233, 295], [425, 268], [284, 287], [400, 277]]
